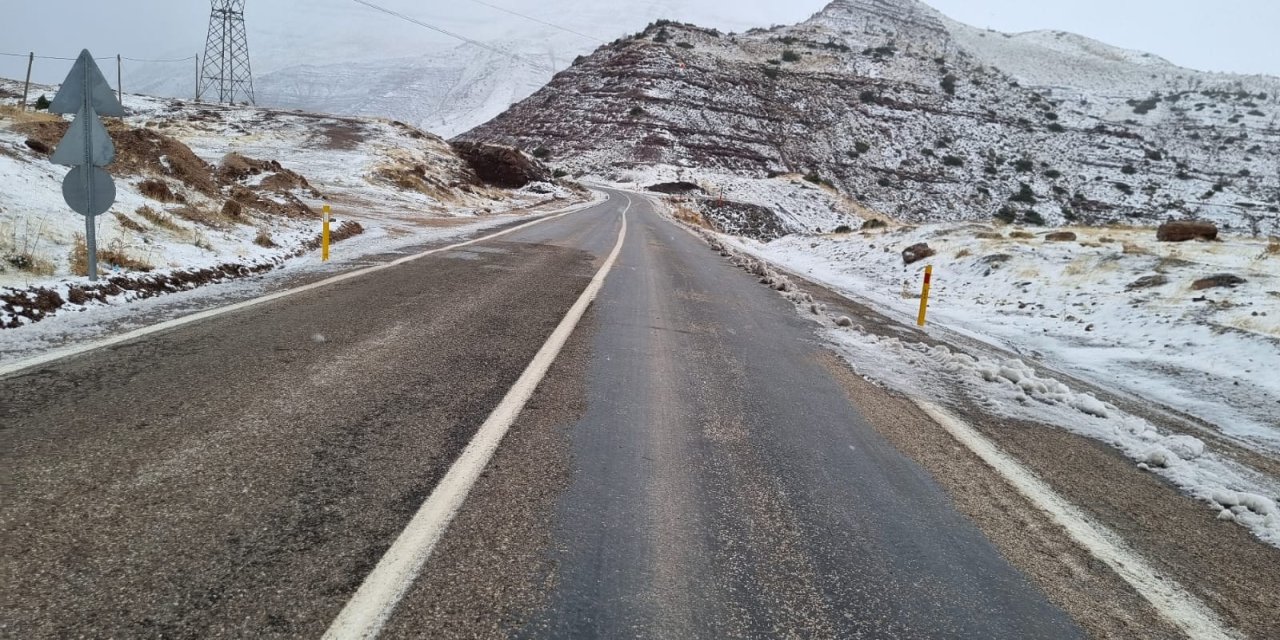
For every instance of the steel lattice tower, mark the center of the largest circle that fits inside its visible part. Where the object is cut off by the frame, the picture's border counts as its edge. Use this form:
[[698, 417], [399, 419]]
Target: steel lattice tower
[[226, 55]]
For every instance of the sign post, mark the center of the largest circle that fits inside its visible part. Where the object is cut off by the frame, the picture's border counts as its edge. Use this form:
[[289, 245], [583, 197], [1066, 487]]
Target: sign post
[[86, 147]]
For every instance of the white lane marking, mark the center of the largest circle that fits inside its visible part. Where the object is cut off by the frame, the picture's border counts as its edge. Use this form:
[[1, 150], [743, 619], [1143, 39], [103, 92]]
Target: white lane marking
[[58, 354], [1177, 605], [376, 599]]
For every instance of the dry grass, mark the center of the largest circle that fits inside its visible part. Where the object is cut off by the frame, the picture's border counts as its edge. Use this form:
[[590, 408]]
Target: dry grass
[[687, 215], [34, 264], [157, 219], [1021, 235], [199, 241], [1131, 249], [20, 247], [18, 116], [126, 222], [963, 253], [114, 254], [1273, 248], [264, 239]]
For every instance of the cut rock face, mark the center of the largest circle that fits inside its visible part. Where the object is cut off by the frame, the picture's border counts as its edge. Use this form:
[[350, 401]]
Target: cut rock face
[[500, 166]]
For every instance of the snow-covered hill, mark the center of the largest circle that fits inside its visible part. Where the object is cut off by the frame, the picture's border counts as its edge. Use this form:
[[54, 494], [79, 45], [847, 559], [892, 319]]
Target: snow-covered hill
[[208, 192], [920, 118], [326, 60]]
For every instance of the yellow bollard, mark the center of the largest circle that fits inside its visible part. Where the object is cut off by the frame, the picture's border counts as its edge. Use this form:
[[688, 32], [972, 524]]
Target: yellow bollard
[[324, 237], [924, 296]]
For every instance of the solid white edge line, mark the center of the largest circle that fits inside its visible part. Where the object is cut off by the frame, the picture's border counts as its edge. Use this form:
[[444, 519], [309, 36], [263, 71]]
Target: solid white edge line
[[1173, 602], [59, 354], [376, 599]]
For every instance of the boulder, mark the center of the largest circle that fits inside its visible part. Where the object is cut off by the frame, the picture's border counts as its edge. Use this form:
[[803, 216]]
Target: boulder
[[917, 252], [1060, 236], [1184, 230], [1147, 282], [1221, 280], [38, 146]]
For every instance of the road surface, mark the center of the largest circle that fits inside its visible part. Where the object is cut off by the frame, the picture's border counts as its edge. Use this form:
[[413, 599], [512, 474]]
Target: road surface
[[690, 466]]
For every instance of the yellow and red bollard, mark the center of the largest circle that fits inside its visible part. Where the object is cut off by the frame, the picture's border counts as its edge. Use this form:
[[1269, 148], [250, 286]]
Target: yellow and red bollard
[[324, 237], [924, 295]]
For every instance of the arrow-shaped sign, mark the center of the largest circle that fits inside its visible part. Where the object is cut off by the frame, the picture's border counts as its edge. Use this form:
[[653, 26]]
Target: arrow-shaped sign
[[70, 151], [87, 146], [86, 80]]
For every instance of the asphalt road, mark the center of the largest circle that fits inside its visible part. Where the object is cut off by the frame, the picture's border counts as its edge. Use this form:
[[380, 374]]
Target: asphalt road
[[689, 468]]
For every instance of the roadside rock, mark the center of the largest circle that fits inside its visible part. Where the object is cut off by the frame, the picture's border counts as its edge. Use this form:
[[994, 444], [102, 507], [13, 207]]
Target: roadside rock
[[1221, 280], [1060, 236], [38, 146], [500, 166], [1184, 230], [1147, 282], [917, 252]]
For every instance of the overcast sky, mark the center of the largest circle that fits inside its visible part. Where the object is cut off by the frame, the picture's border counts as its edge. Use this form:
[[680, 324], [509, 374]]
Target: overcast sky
[[1212, 35]]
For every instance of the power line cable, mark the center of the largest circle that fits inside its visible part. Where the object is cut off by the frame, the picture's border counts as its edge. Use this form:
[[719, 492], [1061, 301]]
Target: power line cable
[[540, 21], [27, 55], [536, 65]]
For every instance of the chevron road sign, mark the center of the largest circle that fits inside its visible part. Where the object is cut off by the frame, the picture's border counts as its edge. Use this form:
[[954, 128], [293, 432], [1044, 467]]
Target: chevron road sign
[[87, 189]]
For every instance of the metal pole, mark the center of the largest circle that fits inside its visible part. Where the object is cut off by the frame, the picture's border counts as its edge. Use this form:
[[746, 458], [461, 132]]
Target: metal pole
[[119, 79], [90, 232], [27, 87]]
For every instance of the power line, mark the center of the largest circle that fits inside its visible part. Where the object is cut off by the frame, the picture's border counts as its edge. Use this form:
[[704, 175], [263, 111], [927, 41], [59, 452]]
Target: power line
[[27, 55], [540, 21], [536, 65]]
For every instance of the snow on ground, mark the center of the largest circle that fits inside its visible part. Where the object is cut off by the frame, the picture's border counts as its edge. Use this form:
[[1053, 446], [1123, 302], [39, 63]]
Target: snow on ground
[[1209, 353], [401, 185], [1003, 386], [800, 206], [1011, 388]]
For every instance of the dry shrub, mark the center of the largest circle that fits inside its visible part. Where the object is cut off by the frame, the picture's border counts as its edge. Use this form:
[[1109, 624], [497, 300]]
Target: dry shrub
[[963, 253], [264, 239], [1131, 249], [1021, 235], [988, 235], [232, 209], [1273, 247]]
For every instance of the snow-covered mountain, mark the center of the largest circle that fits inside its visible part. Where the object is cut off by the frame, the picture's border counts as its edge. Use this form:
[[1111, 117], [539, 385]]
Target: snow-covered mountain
[[920, 118], [340, 57]]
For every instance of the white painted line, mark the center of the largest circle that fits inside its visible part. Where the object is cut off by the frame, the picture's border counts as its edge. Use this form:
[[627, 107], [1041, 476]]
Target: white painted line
[[1173, 602], [58, 354], [375, 600]]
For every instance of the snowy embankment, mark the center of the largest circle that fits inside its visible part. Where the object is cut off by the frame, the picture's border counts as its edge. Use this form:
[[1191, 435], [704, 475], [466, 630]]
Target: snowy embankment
[[210, 193], [1114, 306], [1073, 306]]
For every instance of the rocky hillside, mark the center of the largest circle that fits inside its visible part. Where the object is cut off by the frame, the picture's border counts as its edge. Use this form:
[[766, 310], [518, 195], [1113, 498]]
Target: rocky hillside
[[920, 118]]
